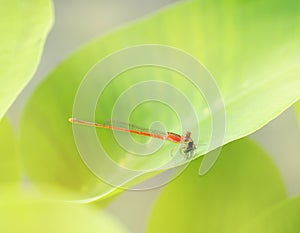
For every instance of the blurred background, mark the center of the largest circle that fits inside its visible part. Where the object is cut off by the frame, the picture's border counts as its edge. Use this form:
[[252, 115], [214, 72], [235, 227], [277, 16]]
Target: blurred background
[[76, 23]]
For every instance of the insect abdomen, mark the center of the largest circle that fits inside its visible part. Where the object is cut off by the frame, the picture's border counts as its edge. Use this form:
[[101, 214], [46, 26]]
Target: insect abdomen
[[173, 137]]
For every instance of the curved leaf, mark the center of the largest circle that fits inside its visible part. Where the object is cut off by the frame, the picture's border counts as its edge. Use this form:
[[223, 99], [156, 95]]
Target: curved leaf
[[9, 161], [242, 184], [28, 215], [250, 48], [24, 26], [282, 218]]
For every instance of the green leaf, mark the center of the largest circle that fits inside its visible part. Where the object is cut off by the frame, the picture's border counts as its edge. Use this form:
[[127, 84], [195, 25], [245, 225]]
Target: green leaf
[[250, 48], [243, 183], [24, 26], [10, 161], [280, 219], [35, 215]]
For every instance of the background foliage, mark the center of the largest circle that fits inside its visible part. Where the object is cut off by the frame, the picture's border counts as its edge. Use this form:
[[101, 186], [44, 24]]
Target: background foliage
[[251, 48]]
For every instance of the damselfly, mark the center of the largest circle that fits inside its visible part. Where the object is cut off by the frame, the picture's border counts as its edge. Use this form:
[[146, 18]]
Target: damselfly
[[188, 145]]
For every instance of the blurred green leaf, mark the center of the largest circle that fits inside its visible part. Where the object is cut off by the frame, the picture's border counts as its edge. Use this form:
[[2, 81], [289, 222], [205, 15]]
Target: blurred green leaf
[[9, 161], [280, 219], [24, 26], [35, 215], [250, 47], [243, 183]]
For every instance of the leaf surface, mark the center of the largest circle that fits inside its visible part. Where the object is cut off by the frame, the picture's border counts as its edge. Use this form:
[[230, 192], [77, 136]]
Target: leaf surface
[[24, 26], [243, 183]]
